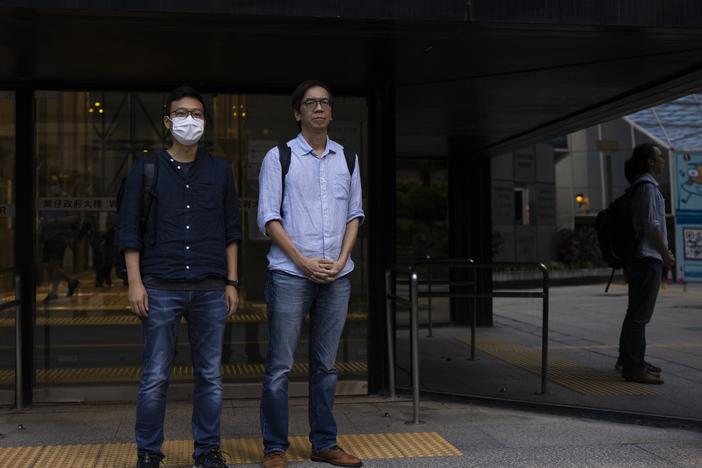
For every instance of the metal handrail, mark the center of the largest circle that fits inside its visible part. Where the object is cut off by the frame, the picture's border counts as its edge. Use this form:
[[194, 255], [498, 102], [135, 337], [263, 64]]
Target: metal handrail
[[413, 278], [431, 281]]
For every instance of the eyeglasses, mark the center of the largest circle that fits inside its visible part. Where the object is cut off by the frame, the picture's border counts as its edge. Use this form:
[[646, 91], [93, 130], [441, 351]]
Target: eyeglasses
[[182, 113], [312, 103]]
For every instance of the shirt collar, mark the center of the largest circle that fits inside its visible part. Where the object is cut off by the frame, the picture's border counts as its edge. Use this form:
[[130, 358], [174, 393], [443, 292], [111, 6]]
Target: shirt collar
[[648, 177], [302, 148]]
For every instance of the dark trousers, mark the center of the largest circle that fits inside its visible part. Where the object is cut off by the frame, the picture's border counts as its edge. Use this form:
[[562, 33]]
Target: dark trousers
[[644, 282]]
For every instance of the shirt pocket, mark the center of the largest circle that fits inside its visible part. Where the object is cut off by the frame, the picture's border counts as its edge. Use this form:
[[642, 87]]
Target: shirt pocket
[[342, 186], [207, 196]]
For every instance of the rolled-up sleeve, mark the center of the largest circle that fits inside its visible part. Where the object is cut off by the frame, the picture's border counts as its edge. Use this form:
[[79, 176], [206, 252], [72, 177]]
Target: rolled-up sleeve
[[356, 197], [648, 217], [270, 190], [128, 234], [232, 213]]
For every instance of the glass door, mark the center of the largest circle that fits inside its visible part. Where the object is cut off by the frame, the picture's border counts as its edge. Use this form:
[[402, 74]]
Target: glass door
[[86, 141], [7, 247]]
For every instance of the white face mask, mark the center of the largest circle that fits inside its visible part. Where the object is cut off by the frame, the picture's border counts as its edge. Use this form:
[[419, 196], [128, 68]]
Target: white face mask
[[187, 130]]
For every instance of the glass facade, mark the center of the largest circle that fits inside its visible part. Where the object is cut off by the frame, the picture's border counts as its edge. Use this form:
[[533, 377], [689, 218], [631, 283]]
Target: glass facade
[[7, 241], [85, 143], [422, 208]]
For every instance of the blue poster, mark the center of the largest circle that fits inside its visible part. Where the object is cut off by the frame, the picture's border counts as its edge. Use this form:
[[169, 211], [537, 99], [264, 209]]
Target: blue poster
[[688, 215]]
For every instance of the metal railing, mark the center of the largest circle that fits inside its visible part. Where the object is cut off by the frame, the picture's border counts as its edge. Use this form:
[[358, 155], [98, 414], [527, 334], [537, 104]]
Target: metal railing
[[413, 279], [410, 261], [17, 305]]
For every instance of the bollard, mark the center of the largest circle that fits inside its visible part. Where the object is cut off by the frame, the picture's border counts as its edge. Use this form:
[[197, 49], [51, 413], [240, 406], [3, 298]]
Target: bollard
[[390, 332], [414, 343]]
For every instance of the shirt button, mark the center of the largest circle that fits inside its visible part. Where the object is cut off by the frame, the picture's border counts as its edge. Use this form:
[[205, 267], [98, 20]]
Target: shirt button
[[187, 227], [171, 159], [187, 267], [187, 206], [187, 247], [187, 185], [178, 167]]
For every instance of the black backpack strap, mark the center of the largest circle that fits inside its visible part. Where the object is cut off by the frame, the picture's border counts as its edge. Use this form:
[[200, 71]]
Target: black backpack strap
[[350, 157], [611, 277], [148, 189], [285, 156]]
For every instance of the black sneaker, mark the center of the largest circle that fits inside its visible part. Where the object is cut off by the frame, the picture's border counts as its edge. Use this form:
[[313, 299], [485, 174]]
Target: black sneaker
[[149, 460], [211, 459]]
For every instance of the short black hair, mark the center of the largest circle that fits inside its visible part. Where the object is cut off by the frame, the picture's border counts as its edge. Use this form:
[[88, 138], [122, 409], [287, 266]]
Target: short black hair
[[299, 93], [179, 93], [641, 155]]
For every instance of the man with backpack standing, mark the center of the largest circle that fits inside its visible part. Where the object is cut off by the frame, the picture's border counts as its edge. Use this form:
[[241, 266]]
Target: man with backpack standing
[[181, 260], [310, 206], [645, 267]]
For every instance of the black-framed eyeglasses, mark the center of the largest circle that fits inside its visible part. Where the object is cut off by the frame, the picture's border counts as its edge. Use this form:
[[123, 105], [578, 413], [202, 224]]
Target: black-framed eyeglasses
[[182, 113], [312, 103]]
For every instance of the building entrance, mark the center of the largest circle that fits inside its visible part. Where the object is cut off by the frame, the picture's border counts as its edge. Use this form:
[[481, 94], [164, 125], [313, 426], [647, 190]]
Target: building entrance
[[88, 345]]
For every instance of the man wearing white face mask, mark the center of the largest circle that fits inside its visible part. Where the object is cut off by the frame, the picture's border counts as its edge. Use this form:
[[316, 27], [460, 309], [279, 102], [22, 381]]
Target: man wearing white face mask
[[188, 268]]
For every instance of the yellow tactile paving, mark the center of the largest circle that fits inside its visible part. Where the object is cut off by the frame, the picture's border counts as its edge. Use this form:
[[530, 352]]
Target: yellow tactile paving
[[667, 291], [580, 379], [615, 346], [131, 319], [178, 373], [240, 451]]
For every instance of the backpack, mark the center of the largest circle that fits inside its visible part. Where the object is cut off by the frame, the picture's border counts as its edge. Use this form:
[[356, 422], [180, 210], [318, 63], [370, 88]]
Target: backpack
[[148, 230], [285, 156], [616, 235]]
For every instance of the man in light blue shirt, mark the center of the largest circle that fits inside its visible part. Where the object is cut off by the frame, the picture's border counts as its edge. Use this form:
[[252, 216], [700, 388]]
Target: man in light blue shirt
[[644, 270], [312, 214]]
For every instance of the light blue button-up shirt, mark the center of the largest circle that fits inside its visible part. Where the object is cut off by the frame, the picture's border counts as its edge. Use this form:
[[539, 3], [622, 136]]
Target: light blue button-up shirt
[[648, 211], [321, 197]]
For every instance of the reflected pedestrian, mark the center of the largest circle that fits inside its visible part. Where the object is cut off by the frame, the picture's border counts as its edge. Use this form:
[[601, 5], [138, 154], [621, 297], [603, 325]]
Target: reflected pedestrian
[[57, 233]]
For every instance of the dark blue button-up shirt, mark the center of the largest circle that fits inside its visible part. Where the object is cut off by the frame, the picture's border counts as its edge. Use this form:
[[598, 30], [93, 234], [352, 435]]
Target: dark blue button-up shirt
[[197, 216]]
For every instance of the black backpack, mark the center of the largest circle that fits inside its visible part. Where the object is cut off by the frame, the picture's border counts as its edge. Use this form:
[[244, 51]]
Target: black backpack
[[148, 187], [285, 156], [616, 235]]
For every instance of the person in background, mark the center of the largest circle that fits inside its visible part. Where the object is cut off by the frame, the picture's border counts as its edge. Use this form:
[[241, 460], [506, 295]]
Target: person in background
[[644, 270]]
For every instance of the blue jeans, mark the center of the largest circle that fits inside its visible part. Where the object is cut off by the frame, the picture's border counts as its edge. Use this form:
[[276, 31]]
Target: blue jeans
[[206, 314], [289, 299], [644, 282]]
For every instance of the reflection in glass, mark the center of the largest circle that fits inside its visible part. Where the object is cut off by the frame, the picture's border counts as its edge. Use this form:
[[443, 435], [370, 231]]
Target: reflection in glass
[[7, 246]]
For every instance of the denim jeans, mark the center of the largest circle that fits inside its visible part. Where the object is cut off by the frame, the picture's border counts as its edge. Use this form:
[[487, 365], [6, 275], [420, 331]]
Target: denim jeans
[[206, 313], [644, 282], [289, 299]]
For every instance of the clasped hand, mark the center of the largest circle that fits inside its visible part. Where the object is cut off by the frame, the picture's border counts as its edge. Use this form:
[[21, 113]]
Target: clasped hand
[[322, 270]]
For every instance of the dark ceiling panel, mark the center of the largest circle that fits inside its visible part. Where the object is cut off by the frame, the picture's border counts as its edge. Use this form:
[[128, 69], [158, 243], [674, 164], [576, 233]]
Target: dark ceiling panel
[[491, 86], [645, 13], [419, 10], [496, 113]]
